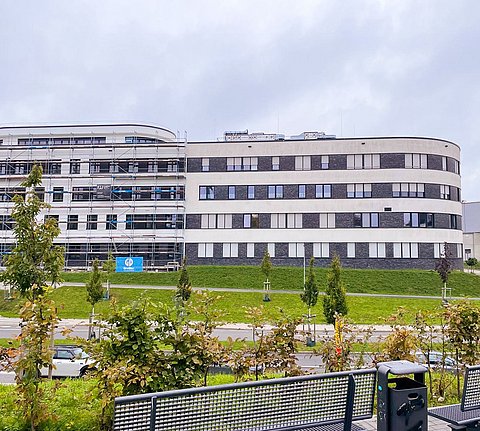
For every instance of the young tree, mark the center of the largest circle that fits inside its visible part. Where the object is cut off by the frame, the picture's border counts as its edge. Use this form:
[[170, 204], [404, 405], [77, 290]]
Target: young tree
[[94, 287], [184, 286], [109, 268], [33, 263], [334, 301], [310, 298], [266, 268], [471, 262], [444, 268]]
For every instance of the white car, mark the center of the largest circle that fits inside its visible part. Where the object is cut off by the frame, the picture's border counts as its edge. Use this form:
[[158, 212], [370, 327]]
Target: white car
[[68, 361]]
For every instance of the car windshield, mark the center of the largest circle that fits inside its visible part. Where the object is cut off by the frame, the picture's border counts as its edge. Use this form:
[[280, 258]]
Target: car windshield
[[79, 353]]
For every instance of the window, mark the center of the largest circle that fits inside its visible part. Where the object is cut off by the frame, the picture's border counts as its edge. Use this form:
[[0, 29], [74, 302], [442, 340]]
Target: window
[[275, 163], [405, 250], [152, 166], [350, 249], [224, 221], [111, 222], [426, 220], [363, 161], [411, 190], [275, 192], [205, 164], [278, 221], [250, 249], [327, 220], [323, 191], [365, 220], [359, 190], [75, 166], [444, 163], [242, 163], [453, 221], [51, 217], [250, 221], [376, 250], [416, 161], [302, 191], [132, 167], [444, 192], [324, 162], [231, 192], [250, 192], [58, 194], [208, 221], [296, 249], [207, 192], [437, 250], [205, 249], [302, 163], [92, 220], [72, 222], [294, 221], [321, 249], [230, 249], [271, 249]]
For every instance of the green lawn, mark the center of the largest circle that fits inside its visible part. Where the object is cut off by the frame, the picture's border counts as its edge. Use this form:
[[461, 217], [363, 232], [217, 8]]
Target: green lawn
[[72, 303], [407, 282]]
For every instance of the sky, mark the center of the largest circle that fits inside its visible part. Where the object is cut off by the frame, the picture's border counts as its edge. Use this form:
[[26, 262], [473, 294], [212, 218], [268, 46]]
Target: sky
[[200, 67]]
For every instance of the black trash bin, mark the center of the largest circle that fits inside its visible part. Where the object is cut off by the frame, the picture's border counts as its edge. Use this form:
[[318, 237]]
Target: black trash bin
[[401, 401]]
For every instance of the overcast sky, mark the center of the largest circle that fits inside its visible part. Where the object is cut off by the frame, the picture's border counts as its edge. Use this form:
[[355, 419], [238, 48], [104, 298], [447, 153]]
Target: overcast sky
[[346, 67]]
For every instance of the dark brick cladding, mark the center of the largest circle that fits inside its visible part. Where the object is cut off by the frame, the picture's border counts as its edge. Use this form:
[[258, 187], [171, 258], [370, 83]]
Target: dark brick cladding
[[264, 163], [432, 191], [194, 165], [425, 260], [339, 191], [193, 221], [311, 221], [392, 161], [434, 162], [337, 161], [287, 163], [381, 190]]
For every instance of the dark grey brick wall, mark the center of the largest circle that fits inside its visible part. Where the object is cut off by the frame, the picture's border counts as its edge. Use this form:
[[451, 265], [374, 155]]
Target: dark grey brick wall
[[343, 220], [281, 249], [390, 220], [450, 164], [218, 164], [362, 251], [194, 165], [193, 221], [287, 163], [264, 163], [432, 191], [311, 221], [241, 192], [338, 161], [454, 193], [237, 221], [381, 190], [339, 248], [339, 191], [315, 163], [434, 161], [392, 161], [442, 221], [290, 191], [264, 220]]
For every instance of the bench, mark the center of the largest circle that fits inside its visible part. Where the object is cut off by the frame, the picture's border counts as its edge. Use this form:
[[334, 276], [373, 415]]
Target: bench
[[322, 402], [466, 415]]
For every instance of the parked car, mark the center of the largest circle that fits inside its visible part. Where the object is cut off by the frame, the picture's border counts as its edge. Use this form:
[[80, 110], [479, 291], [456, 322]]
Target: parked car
[[68, 361], [437, 359]]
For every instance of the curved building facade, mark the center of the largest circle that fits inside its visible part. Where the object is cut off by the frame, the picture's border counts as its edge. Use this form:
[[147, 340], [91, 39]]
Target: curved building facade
[[136, 190], [376, 202]]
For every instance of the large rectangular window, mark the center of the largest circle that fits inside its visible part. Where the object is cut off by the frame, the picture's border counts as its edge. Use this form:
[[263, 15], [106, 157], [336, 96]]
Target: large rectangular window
[[207, 192], [250, 249], [275, 192], [302, 163], [444, 192], [365, 220], [72, 222], [231, 192], [242, 163], [294, 221], [58, 194], [250, 221], [416, 161], [111, 222], [426, 220], [92, 220], [278, 221], [327, 220], [296, 249], [321, 249], [205, 164], [271, 249], [405, 250], [230, 249], [250, 192], [376, 250], [363, 161], [408, 190], [302, 191], [324, 162], [359, 190], [205, 249], [350, 249], [275, 163], [323, 191]]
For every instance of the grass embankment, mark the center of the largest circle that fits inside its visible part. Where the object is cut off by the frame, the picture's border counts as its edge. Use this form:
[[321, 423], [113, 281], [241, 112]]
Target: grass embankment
[[403, 282]]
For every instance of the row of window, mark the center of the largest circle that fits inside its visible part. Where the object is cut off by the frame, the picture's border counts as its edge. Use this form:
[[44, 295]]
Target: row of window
[[111, 221], [89, 140], [323, 191], [378, 250], [135, 166], [318, 162], [327, 221]]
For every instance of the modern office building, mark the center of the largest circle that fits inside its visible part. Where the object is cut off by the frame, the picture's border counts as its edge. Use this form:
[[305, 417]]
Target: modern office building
[[139, 191], [116, 187]]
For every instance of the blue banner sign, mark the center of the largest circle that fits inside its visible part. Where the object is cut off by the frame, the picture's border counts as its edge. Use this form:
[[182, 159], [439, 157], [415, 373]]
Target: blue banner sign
[[129, 264]]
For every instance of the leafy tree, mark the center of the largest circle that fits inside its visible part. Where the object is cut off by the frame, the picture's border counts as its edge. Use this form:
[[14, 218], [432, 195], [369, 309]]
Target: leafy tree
[[94, 287], [184, 286], [33, 263], [444, 268], [471, 262], [334, 301]]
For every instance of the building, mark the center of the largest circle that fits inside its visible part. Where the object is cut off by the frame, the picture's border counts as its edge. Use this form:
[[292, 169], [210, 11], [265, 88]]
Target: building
[[137, 190], [471, 229], [116, 187]]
